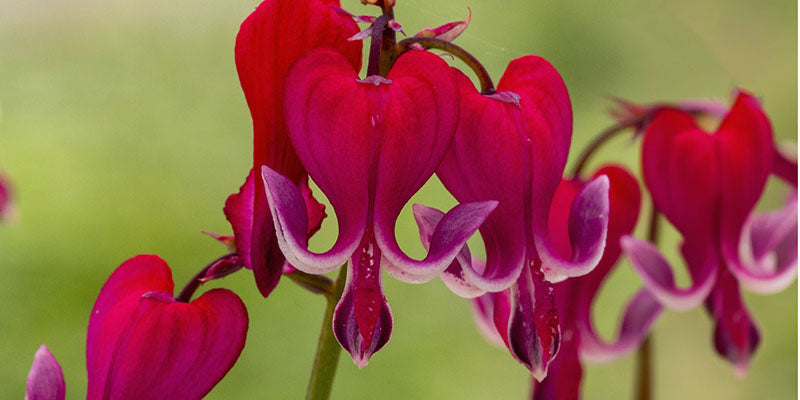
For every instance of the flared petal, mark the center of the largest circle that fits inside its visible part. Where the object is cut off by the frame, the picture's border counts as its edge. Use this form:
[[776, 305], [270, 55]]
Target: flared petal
[[148, 345], [269, 41], [656, 273], [45, 379], [254, 235], [767, 261], [362, 320], [735, 336], [453, 277], [448, 240], [508, 145], [588, 229], [640, 314], [371, 143], [533, 330], [291, 223]]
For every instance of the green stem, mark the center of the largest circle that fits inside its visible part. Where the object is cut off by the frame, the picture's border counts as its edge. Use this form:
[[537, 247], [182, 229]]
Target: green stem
[[644, 356], [328, 350]]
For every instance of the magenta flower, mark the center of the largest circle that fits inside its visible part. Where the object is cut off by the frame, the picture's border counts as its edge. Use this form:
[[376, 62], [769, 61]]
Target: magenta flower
[[512, 146], [369, 144], [143, 344], [270, 40], [707, 186]]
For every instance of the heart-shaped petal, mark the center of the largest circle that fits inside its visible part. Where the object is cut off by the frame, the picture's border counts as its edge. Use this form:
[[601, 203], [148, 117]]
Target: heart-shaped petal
[[142, 343]]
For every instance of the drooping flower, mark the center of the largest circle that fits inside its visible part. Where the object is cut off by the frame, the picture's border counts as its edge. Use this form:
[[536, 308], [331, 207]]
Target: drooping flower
[[707, 186], [143, 344], [270, 40], [512, 146], [369, 144], [45, 379]]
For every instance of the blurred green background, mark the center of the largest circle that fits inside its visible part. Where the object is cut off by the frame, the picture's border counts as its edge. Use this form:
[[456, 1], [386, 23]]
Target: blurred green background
[[124, 128]]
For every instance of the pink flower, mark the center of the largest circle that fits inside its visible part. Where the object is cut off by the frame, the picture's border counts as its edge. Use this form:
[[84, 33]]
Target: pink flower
[[143, 344], [369, 144], [270, 40], [511, 146], [707, 186]]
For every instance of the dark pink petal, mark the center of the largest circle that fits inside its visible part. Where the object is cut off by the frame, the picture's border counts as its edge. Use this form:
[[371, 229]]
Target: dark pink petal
[[564, 374], [735, 336], [533, 333], [315, 209], [362, 321], [427, 219], [640, 314], [223, 267], [45, 379], [785, 168], [767, 261], [143, 344], [588, 228], [270, 40], [746, 155], [254, 235], [682, 172], [113, 309], [175, 350], [291, 221], [657, 275], [449, 31]]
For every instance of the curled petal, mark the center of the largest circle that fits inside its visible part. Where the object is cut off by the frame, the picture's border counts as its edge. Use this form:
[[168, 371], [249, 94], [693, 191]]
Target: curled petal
[[588, 228], [362, 320], [784, 167], [448, 240], [45, 379], [453, 277], [735, 336], [449, 31], [254, 234], [767, 261], [291, 222], [640, 314], [657, 275]]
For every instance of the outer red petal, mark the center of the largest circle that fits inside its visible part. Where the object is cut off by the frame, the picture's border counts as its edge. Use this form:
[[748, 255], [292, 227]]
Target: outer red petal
[[270, 40], [143, 344]]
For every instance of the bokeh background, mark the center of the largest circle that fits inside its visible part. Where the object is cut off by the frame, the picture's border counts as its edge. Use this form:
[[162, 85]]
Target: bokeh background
[[124, 128]]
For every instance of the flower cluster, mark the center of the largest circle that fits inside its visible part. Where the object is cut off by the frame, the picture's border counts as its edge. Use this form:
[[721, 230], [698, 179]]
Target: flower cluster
[[370, 143]]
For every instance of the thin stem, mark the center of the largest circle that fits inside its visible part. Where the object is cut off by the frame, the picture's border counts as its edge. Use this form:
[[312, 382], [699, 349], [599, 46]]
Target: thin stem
[[375, 46], [487, 87], [644, 356], [197, 280], [328, 350], [596, 143]]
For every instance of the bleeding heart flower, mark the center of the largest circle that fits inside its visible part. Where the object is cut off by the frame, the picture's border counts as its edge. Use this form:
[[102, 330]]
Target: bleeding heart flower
[[707, 186], [270, 40], [45, 379], [369, 144], [143, 344], [511, 146]]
